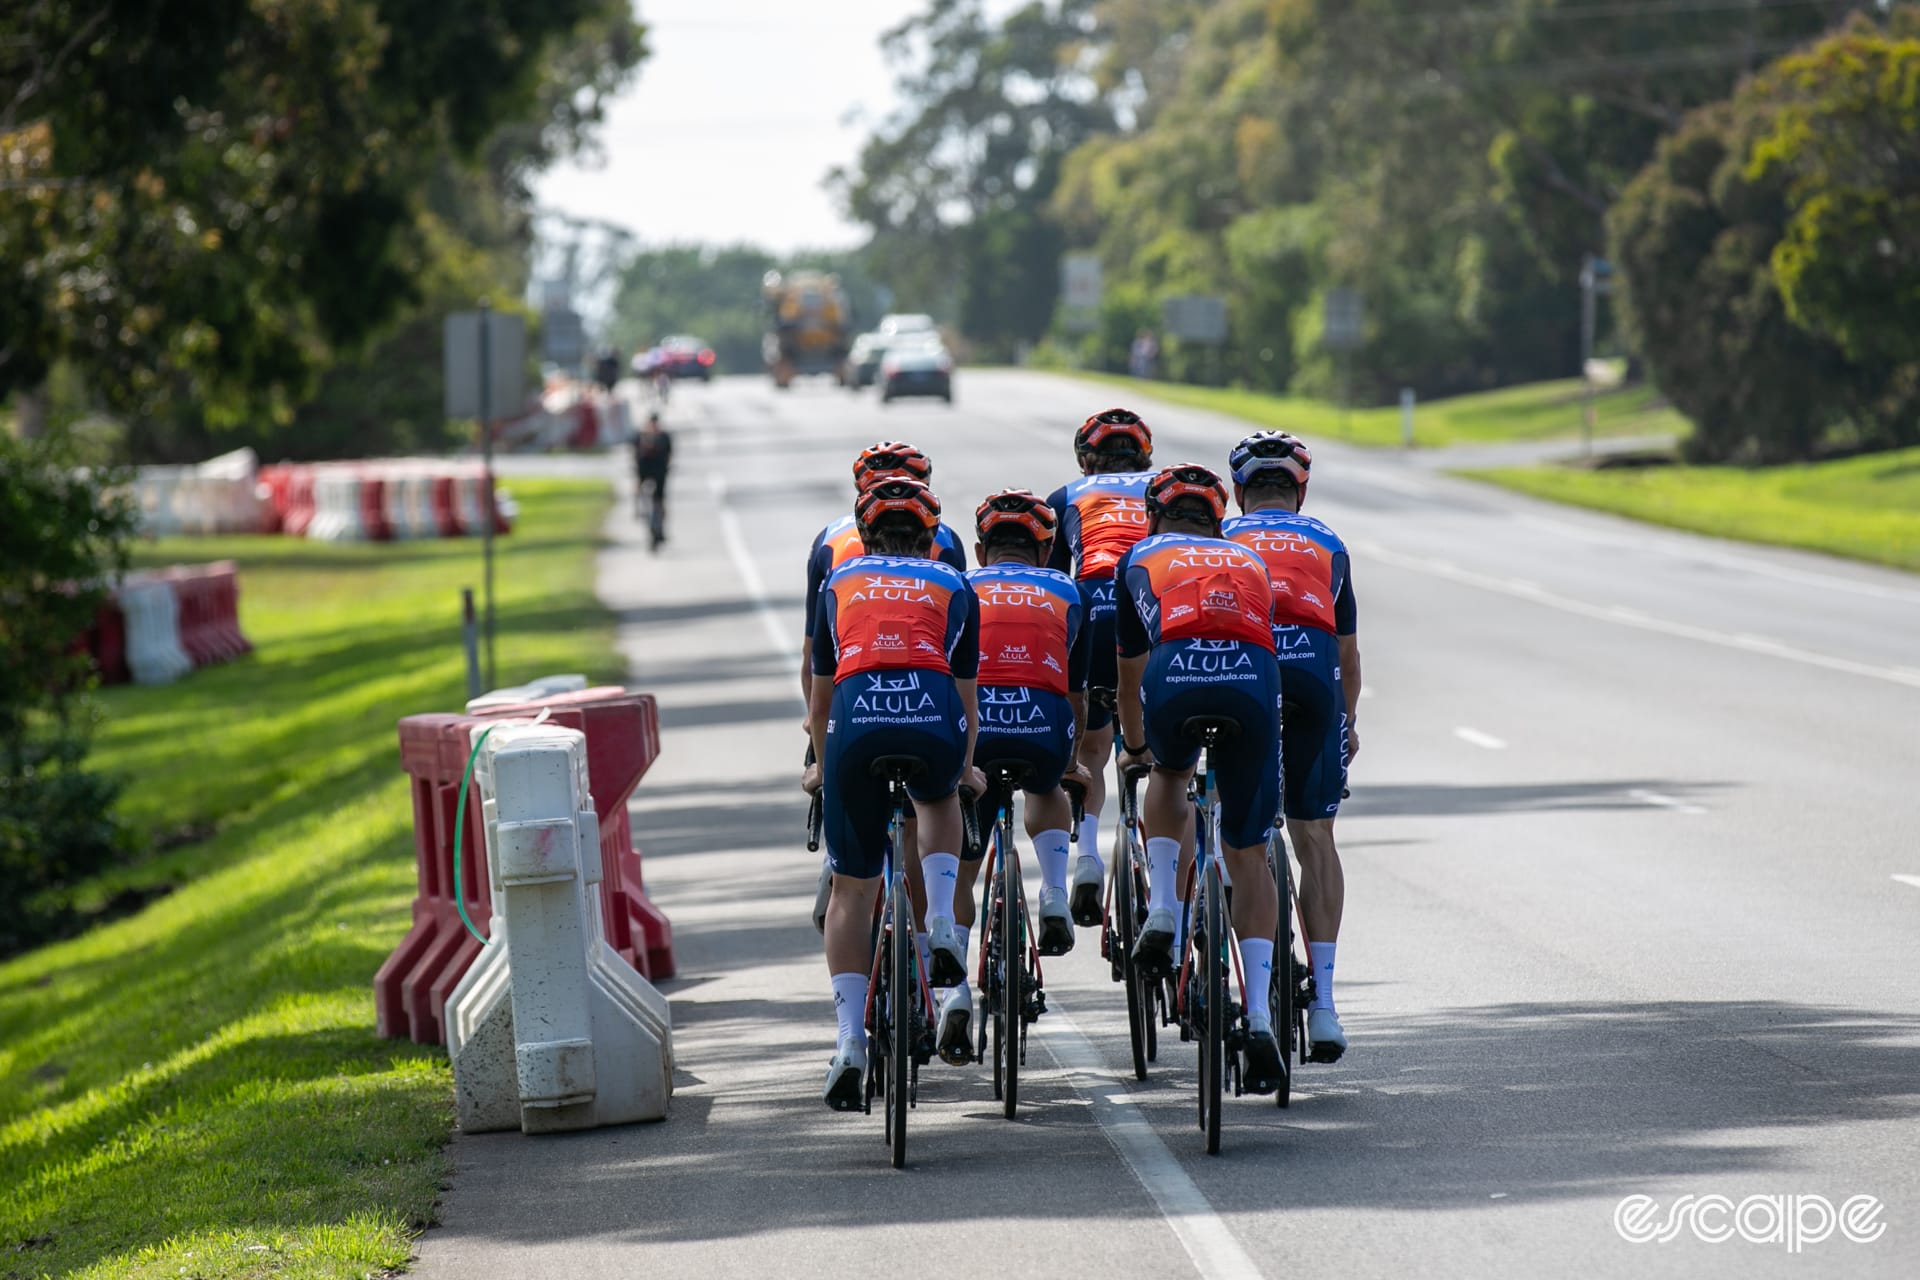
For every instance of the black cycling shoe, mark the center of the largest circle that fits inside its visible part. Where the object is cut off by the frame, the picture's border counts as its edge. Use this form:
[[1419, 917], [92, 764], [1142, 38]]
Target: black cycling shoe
[[1153, 953], [1265, 1072]]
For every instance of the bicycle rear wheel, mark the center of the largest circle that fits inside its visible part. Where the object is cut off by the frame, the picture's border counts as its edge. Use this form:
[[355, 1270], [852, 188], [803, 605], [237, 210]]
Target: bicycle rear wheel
[[1138, 1024], [904, 993], [1213, 1030], [1285, 992], [1013, 993]]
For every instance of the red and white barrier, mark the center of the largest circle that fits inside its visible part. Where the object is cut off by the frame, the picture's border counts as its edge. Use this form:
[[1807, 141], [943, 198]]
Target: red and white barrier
[[158, 626], [381, 500], [220, 495]]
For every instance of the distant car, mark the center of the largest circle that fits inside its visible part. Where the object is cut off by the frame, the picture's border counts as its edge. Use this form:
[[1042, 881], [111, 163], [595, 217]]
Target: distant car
[[683, 357], [863, 362], [918, 367], [899, 324]]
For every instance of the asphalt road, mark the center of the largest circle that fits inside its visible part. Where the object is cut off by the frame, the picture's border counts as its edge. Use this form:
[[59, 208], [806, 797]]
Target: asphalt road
[[1626, 914]]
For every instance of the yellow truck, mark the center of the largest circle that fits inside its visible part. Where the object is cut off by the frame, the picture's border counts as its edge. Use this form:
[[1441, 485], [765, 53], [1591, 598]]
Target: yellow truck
[[810, 326]]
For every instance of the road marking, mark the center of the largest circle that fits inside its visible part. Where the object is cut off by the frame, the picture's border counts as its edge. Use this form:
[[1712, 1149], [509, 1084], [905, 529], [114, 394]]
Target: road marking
[[1660, 801], [1912, 880], [783, 647], [1907, 676], [1479, 739], [1199, 1229]]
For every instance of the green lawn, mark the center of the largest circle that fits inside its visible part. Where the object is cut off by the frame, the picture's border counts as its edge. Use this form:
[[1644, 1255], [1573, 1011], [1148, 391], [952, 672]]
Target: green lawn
[[196, 1089], [1867, 508], [1535, 411]]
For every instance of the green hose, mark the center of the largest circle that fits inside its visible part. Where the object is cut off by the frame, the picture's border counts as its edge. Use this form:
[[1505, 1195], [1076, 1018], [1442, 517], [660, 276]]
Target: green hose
[[459, 827]]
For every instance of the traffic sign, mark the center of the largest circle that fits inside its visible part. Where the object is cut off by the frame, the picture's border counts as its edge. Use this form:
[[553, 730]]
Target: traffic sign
[[1343, 324], [563, 337], [1196, 317], [1081, 291], [505, 360]]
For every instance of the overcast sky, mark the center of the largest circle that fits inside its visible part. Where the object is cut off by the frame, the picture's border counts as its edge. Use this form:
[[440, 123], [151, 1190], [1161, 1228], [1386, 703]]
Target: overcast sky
[[733, 122]]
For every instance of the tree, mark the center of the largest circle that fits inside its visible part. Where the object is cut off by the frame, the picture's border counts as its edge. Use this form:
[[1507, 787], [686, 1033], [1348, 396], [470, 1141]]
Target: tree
[[1846, 142]]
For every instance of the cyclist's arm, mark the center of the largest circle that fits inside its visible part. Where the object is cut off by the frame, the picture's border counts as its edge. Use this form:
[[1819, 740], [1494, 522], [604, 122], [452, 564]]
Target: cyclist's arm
[[970, 699], [1346, 622], [1133, 644], [1078, 701], [811, 614], [1127, 709]]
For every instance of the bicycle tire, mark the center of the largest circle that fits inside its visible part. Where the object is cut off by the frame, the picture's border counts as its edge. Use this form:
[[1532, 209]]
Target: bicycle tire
[[1012, 920], [996, 950], [1213, 1040], [1137, 1029], [1285, 994], [900, 1053]]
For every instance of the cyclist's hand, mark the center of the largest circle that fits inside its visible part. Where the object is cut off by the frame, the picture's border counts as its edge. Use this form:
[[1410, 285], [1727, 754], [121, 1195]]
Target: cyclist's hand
[[1135, 760], [1079, 776], [1353, 742], [811, 778], [974, 780]]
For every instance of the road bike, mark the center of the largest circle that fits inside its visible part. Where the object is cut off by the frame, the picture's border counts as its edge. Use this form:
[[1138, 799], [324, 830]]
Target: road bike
[[899, 1015], [1126, 913], [1011, 984]]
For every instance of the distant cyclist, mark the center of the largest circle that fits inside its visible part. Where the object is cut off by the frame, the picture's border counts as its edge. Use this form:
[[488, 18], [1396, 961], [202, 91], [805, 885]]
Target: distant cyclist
[[1194, 624], [1315, 638], [840, 540], [1100, 515], [652, 459], [896, 665], [1033, 680]]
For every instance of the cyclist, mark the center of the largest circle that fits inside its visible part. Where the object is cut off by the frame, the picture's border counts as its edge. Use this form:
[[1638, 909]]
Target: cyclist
[[1100, 516], [1315, 638], [1033, 678], [896, 672], [1194, 626]]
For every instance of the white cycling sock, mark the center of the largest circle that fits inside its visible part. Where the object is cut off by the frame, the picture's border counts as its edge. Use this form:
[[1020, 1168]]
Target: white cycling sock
[[1051, 848], [850, 1007], [942, 873], [1321, 954], [1163, 865], [1090, 839], [1256, 958]]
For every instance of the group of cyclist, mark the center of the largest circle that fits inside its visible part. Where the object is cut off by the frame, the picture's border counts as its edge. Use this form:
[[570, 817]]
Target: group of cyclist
[[1128, 601]]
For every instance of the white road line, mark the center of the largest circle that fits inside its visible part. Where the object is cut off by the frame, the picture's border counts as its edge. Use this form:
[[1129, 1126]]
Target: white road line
[[1199, 1229], [1912, 880], [1660, 801], [783, 646], [1907, 676], [1483, 740]]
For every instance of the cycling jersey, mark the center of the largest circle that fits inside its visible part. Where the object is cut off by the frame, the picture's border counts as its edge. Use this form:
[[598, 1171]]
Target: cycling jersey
[[840, 541], [1307, 565], [1033, 628], [1099, 518], [1033, 652], [897, 632], [1201, 609], [888, 613]]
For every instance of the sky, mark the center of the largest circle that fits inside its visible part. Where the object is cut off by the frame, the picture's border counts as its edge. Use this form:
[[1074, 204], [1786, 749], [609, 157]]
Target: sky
[[732, 123]]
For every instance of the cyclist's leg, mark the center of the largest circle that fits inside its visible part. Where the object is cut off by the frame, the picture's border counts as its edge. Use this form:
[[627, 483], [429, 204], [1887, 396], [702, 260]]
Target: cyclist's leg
[[1096, 745], [1248, 771], [1316, 777], [939, 739], [854, 815], [1165, 811]]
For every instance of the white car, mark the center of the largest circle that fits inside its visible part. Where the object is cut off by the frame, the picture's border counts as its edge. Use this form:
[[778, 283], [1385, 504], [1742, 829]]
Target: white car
[[901, 324], [917, 367]]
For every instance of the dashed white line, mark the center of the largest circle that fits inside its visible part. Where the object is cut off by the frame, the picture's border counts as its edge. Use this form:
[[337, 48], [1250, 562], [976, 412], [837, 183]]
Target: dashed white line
[[1912, 880], [1908, 676], [1199, 1229], [1660, 801], [1485, 741]]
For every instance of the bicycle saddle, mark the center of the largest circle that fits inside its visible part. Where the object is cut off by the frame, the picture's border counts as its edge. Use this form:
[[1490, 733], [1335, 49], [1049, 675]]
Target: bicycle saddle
[[1210, 728], [897, 768], [1014, 772]]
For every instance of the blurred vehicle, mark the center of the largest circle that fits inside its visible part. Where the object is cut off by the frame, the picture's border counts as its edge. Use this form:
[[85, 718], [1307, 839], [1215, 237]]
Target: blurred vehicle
[[810, 326], [919, 365], [863, 362], [681, 356], [902, 324]]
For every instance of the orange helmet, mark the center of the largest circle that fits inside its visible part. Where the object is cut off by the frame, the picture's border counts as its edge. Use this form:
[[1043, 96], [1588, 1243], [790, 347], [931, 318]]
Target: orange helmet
[[896, 493], [1186, 480], [1020, 508], [1112, 428], [890, 458]]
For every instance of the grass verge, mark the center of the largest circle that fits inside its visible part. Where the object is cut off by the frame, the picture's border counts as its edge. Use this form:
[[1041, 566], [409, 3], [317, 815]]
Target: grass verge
[[1865, 508], [197, 1089], [1535, 411]]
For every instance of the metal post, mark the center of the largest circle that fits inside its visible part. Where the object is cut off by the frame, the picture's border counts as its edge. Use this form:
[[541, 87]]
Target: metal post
[[1586, 354], [1406, 416], [486, 467], [470, 642], [1346, 387]]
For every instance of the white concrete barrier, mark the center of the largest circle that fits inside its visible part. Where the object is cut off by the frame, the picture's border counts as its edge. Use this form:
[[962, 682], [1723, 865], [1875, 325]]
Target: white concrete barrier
[[532, 691], [550, 1030]]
